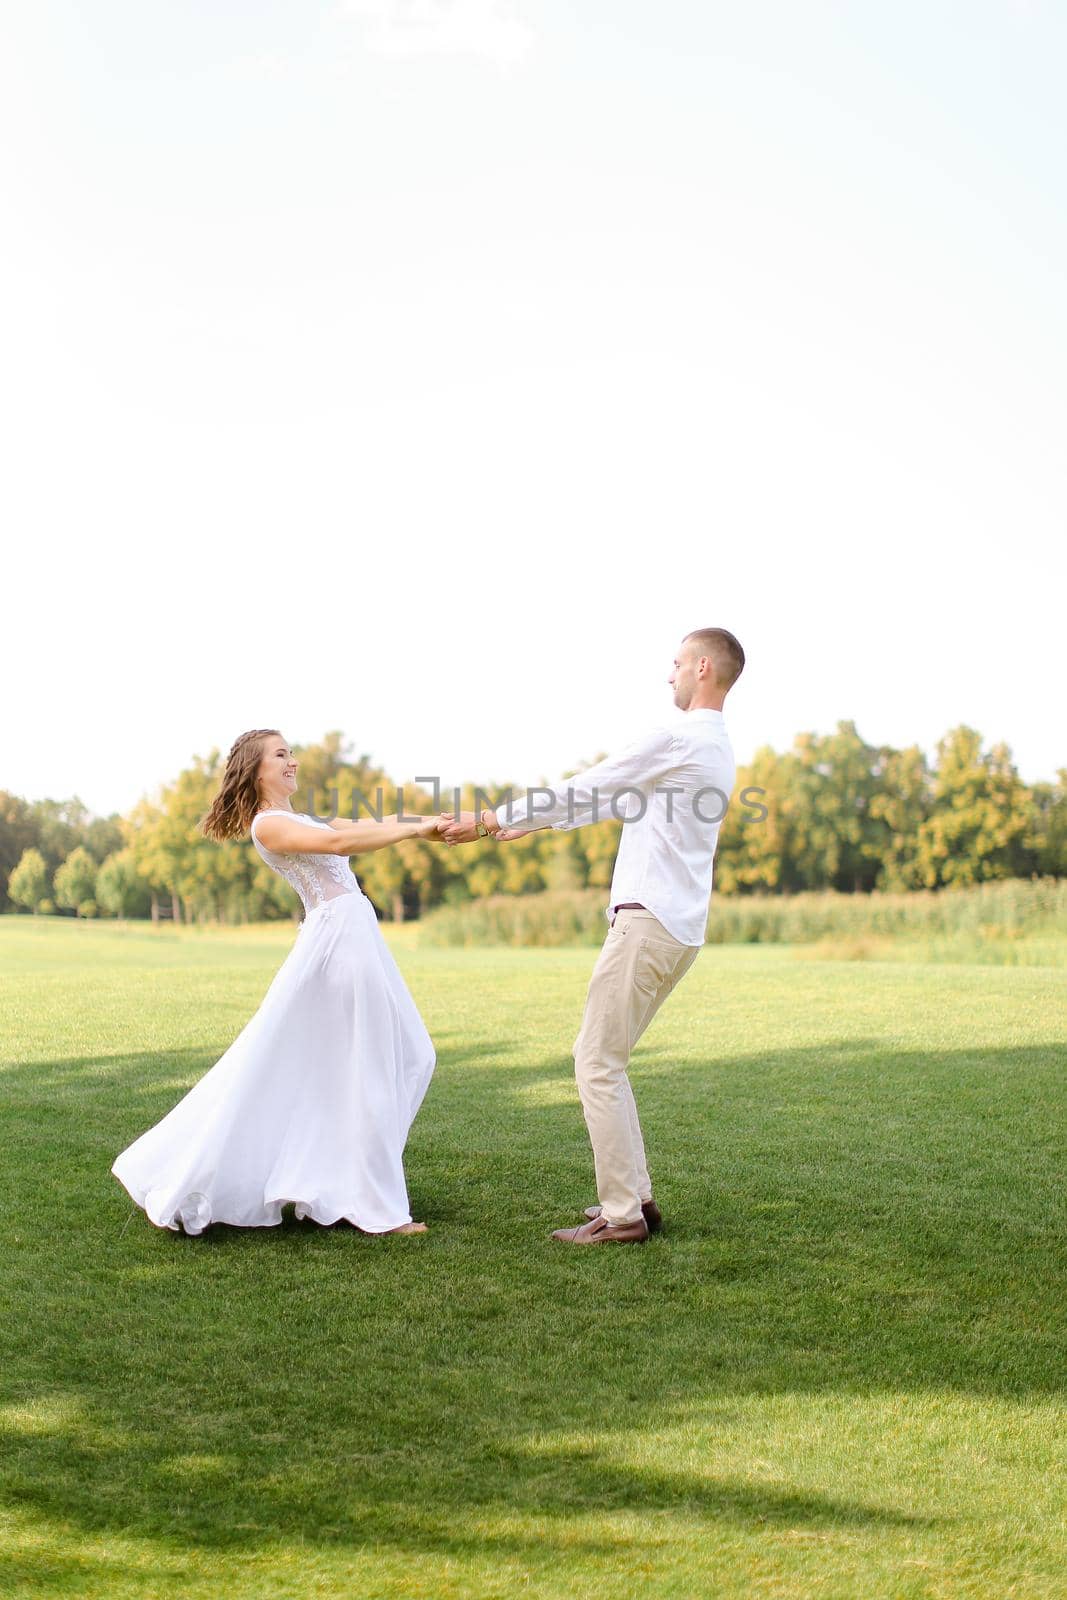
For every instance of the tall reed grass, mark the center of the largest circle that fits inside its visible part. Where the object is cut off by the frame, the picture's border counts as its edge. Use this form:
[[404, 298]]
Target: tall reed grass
[[987, 917]]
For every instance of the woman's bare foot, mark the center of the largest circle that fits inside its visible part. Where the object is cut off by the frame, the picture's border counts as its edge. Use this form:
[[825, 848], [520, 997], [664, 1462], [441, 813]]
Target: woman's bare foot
[[408, 1227]]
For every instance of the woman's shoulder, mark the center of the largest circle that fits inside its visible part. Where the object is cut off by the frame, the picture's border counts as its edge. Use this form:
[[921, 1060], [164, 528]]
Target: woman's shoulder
[[277, 811], [283, 811]]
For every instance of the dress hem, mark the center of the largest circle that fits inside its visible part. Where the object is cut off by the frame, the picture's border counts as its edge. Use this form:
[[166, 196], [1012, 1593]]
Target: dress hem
[[173, 1220]]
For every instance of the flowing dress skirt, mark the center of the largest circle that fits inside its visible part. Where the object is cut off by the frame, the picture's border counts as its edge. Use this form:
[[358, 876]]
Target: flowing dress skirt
[[311, 1104]]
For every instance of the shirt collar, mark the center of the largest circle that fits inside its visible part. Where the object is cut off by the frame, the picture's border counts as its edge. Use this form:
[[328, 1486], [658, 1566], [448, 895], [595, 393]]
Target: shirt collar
[[705, 713]]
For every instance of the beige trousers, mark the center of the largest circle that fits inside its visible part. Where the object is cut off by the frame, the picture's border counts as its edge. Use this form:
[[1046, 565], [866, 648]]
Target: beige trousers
[[635, 972]]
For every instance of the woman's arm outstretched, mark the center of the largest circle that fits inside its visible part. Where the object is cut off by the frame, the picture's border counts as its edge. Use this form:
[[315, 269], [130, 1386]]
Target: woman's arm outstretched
[[290, 836]]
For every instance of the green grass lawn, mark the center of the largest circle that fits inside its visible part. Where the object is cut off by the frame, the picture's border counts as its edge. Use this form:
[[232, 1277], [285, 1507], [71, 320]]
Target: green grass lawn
[[840, 1371]]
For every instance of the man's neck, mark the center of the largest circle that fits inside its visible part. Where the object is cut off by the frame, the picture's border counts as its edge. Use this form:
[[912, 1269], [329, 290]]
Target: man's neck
[[706, 704]]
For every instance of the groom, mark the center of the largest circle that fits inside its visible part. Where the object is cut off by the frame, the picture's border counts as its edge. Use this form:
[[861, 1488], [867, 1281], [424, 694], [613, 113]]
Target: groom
[[670, 788]]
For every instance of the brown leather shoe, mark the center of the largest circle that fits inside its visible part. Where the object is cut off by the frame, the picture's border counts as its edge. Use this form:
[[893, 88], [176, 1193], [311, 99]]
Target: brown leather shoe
[[649, 1210], [600, 1232]]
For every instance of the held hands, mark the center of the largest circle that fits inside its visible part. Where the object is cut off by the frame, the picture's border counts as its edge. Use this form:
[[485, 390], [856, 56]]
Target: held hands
[[459, 827], [462, 827], [433, 827]]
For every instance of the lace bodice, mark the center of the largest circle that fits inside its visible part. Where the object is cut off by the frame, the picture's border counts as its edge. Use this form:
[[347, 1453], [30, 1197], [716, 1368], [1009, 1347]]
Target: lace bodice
[[316, 878]]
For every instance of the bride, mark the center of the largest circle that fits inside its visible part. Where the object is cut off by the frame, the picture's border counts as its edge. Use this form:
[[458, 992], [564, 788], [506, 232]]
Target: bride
[[313, 1101]]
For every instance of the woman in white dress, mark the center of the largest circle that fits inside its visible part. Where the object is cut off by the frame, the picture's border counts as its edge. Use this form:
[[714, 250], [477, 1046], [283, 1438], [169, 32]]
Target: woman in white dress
[[313, 1101]]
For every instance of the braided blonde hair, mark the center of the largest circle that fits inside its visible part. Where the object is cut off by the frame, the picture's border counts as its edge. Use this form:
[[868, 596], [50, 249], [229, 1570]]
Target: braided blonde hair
[[237, 801]]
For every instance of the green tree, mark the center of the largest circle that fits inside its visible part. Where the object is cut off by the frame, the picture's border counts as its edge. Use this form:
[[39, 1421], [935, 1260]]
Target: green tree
[[120, 889], [832, 837], [980, 814], [1046, 836], [102, 836], [752, 851], [61, 827], [901, 804], [831, 812], [18, 833], [28, 883], [75, 882], [55, 827]]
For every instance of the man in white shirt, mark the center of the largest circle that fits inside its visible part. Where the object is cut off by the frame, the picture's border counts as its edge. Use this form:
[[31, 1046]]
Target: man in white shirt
[[670, 789]]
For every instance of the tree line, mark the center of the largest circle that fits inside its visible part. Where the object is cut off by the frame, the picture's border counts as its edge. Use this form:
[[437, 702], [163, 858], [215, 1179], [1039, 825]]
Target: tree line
[[833, 812]]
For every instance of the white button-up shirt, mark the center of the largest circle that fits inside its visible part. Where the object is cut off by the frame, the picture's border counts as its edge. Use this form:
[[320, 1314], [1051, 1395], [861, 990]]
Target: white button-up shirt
[[670, 789]]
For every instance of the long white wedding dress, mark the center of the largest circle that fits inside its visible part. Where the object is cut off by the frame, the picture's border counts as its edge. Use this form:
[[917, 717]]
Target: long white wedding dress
[[313, 1101]]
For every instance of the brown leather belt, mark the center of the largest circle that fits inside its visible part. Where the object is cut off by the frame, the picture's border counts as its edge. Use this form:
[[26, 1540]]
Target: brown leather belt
[[630, 905]]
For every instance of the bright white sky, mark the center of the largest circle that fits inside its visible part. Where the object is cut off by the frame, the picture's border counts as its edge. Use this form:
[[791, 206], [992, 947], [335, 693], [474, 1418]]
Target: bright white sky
[[427, 369]]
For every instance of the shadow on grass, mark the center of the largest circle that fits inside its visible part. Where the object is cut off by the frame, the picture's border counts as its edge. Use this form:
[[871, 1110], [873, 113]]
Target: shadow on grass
[[433, 1517], [842, 1221]]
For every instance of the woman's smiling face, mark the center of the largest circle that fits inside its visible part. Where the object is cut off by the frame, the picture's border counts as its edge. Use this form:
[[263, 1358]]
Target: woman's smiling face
[[276, 777]]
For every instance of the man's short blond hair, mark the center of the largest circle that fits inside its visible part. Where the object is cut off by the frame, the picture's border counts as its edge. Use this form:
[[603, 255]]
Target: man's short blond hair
[[723, 651]]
